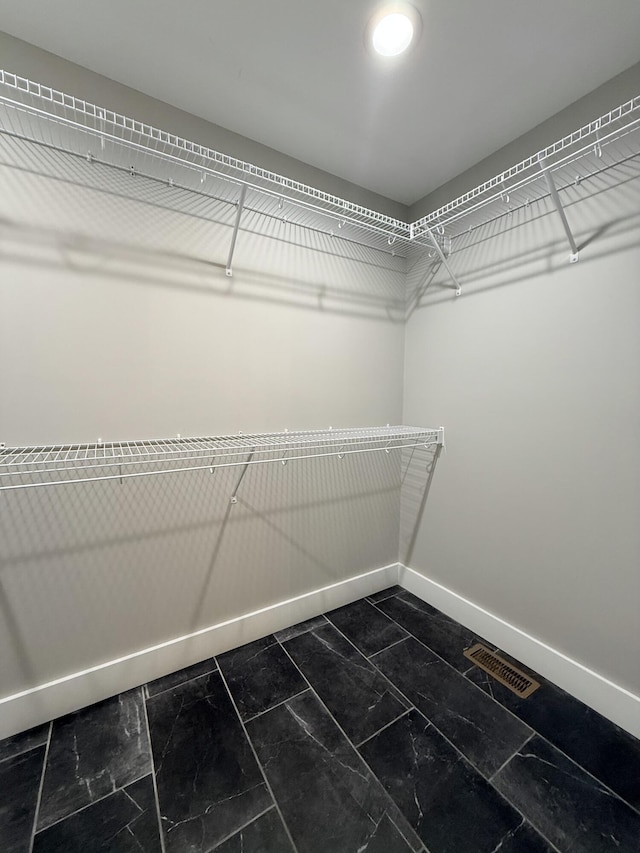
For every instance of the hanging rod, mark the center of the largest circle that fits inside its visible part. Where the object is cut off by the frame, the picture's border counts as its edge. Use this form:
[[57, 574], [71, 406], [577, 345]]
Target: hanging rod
[[30, 467]]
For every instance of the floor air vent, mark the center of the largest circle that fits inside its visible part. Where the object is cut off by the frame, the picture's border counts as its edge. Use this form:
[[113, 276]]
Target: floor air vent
[[516, 680]]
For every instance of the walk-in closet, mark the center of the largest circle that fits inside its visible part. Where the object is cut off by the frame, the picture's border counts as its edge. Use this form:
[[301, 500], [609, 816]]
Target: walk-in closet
[[319, 418]]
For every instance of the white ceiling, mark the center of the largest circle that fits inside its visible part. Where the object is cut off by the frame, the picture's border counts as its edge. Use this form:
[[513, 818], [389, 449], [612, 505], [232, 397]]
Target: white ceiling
[[295, 75]]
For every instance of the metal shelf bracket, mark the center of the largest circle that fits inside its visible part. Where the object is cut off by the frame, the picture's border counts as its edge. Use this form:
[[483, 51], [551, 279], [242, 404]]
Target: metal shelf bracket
[[243, 192], [234, 496], [455, 285], [551, 184]]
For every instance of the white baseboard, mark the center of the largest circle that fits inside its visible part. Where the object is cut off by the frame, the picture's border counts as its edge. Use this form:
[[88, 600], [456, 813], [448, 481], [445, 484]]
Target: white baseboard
[[29, 708], [609, 699]]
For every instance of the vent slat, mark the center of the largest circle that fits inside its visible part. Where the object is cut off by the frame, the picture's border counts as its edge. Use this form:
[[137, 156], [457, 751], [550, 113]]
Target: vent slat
[[517, 681]]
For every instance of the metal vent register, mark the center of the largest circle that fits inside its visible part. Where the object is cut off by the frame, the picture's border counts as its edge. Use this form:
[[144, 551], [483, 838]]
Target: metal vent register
[[512, 677]]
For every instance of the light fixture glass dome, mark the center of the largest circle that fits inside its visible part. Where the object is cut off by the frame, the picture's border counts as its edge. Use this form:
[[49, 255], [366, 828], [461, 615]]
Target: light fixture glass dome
[[393, 34], [393, 29]]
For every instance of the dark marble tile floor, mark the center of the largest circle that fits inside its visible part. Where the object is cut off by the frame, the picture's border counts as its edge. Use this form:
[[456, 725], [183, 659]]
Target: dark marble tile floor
[[364, 730], [93, 753], [441, 634], [260, 675], [360, 698]]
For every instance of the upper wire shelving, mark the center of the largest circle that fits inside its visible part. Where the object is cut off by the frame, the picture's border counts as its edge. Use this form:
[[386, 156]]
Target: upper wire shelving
[[70, 134], [47, 132], [600, 147], [28, 467]]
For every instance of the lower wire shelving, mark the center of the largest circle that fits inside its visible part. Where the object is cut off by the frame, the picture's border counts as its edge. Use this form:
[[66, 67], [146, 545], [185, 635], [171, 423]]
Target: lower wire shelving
[[30, 467]]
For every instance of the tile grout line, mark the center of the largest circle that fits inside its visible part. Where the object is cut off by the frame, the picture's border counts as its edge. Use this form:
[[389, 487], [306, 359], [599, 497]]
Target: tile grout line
[[504, 707], [538, 734], [504, 763], [607, 790], [527, 821], [442, 735], [353, 746], [257, 760], [375, 734], [306, 630], [433, 652], [179, 684], [392, 595], [405, 698], [475, 668], [95, 802], [153, 775], [450, 742], [388, 680], [461, 674], [40, 789], [390, 646], [24, 752], [277, 705], [242, 828]]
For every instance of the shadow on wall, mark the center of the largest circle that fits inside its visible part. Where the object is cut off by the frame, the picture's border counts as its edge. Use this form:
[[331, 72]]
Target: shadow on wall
[[50, 249], [93, 571], [132, 230], [418, 470]]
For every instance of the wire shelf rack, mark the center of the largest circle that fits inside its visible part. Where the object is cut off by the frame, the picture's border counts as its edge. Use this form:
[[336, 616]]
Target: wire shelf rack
[[58, 123], [50, 133], [29, 467], [601, 146]]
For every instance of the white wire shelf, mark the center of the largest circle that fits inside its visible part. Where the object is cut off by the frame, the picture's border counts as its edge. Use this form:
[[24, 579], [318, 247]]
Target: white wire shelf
[[61, 123], [29, 467], [50, 133], [603, 145]]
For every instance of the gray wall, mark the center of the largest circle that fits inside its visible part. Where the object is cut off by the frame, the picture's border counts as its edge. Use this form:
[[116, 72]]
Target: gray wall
[[119, 322], [535, 372]]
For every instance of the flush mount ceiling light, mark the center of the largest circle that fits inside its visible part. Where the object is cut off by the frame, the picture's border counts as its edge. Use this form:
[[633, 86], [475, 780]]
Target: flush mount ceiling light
[[393, 29]]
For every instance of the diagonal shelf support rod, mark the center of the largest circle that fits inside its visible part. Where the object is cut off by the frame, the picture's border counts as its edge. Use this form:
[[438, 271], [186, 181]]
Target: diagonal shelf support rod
[[243, 193], [234, 496], [455, 283], [553, 190]]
